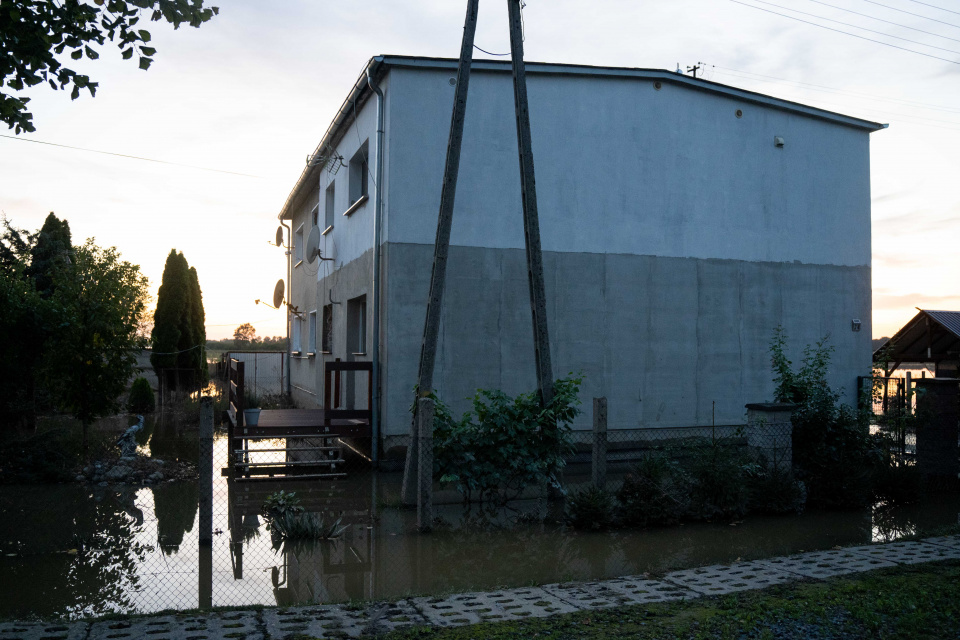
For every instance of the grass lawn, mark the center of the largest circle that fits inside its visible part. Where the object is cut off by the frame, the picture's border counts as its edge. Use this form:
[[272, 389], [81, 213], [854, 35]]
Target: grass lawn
[[916, 602]]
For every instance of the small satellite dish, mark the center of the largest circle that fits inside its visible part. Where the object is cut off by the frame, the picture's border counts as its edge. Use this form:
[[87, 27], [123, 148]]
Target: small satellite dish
[[278, 294], [313, 244], [279, 236]]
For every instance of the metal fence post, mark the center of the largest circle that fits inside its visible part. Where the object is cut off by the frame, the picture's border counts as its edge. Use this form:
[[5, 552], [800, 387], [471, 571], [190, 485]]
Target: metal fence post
[[425, 464], [600, 443], [205, 468]]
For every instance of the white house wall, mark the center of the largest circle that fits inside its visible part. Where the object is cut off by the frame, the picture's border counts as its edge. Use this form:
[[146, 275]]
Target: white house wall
[[677, 236]]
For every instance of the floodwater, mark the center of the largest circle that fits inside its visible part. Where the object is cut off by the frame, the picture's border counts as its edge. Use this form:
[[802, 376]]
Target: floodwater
[[72, 550]]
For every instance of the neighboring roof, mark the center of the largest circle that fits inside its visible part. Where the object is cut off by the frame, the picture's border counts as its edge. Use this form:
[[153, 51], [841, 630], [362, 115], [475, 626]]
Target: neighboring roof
[[931, 336], [379, 65]]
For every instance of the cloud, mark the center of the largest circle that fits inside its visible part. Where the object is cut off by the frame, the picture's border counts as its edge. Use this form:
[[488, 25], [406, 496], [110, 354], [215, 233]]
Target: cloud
[[924, 301]]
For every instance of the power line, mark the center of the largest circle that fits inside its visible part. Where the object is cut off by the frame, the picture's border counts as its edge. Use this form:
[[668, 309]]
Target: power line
[[896, 24], [917, 15], [847, 24], [897, 117], [820, 87], [847, 33], [124, 155], [936, 7], [489, 53]]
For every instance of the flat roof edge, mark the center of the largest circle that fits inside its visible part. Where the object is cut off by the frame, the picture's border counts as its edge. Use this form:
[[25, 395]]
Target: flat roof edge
[[639, 73]]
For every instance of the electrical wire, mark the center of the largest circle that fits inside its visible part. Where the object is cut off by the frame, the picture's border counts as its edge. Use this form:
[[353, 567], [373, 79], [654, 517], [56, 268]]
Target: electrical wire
[[898, 117], [926, 4], [124, 155], [917, 15], [847, 24], [820, 87], [896, 24], [886, 44], [490, 53]]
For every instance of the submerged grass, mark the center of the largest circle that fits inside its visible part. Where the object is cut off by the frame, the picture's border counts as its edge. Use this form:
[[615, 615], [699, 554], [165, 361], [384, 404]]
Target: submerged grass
[[917, 602]]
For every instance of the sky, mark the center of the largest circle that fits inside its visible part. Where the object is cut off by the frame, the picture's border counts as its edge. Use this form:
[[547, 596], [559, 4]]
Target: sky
[[252, 92]]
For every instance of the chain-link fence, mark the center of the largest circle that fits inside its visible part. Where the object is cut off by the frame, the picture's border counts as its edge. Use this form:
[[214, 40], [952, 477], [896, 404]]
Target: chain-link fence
[[137, 546]]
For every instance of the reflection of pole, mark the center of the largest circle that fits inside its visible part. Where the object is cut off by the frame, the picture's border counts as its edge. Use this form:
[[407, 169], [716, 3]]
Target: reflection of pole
[[206, 576], [206, 471], [205, 468]]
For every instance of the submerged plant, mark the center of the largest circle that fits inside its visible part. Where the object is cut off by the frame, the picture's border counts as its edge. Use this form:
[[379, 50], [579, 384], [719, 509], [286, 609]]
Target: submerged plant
[[590, 508], [504, 445], [287, 520]]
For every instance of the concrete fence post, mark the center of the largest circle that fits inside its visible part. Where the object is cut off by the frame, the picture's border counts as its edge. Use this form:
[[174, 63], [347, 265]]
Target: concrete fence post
[[599, 466], [770, 432], [205, 468], [425, 411]]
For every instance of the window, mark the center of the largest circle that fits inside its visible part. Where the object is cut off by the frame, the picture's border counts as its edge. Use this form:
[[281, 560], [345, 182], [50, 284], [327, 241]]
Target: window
[[359, 172], [315, 215], [298, 245], [328, 209], [327, 329], [357, 325], [297, 347], [312, 333]]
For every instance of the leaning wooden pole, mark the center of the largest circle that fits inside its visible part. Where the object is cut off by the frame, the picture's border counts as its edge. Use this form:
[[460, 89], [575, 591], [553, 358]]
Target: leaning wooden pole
[[531, 218], [431, 326]]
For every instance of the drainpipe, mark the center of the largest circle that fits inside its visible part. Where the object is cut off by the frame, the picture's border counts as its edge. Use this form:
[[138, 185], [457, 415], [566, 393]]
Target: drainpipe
[[287, 295], [378, 215]]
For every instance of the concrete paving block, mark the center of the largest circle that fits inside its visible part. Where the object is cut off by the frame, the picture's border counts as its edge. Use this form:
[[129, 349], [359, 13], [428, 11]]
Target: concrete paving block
[[241, 625], [340, 621], [721, 578], [619, 591], [38, 630], [472, 608], [907, 552], [826, 564], [952, 542]]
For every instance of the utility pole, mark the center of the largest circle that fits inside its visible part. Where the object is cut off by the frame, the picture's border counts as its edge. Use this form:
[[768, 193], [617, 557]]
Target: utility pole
[[431, 326], [531, 219], [694, 70]]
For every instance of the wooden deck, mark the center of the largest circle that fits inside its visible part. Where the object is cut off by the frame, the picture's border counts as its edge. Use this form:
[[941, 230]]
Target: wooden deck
[[291, 423]]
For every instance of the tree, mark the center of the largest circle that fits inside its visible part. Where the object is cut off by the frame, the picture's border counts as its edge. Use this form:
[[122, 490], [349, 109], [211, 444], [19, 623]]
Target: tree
[[30, 265], [88, 359], [36, 35], [51, 253], [179, 337], [244, 335]]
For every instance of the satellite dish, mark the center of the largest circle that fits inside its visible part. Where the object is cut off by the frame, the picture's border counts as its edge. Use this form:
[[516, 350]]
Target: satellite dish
[[279, 236], [278, 293], [313, 244]]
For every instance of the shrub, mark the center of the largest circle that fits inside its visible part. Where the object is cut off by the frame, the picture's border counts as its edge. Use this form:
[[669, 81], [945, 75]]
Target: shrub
[[776, 491], [899, 485], [833, 451], [141, 397], [504, 445], [653, 493], [590, 508], [288, 522], [718, 474], [251, 401]]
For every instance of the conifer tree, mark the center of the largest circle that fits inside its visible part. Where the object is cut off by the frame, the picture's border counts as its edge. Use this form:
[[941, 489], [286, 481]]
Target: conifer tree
[[178, 335]]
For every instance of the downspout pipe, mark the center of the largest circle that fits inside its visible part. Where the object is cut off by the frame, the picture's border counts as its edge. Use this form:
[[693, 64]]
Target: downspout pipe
[[286, 310], [378, 218]]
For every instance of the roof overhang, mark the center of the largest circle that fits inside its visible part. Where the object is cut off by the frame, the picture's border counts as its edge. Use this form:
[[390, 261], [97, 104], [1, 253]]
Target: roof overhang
[[931, 336]]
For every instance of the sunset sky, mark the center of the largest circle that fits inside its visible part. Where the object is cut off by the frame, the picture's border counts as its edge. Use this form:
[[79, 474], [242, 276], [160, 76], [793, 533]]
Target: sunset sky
[[252, 92]]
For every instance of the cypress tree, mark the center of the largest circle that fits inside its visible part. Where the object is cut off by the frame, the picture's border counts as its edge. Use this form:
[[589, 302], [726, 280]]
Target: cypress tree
[[178, 334], [50, 254]]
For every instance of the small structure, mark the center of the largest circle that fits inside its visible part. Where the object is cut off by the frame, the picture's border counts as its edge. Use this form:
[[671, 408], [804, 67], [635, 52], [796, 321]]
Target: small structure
[[930, 337]]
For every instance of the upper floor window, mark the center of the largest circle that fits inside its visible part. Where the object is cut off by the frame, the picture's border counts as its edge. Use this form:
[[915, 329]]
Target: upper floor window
[[298, 245], [328, 210], [359, 172]]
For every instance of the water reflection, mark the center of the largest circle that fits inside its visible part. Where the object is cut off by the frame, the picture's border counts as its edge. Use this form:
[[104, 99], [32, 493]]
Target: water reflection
[[72, 550]]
